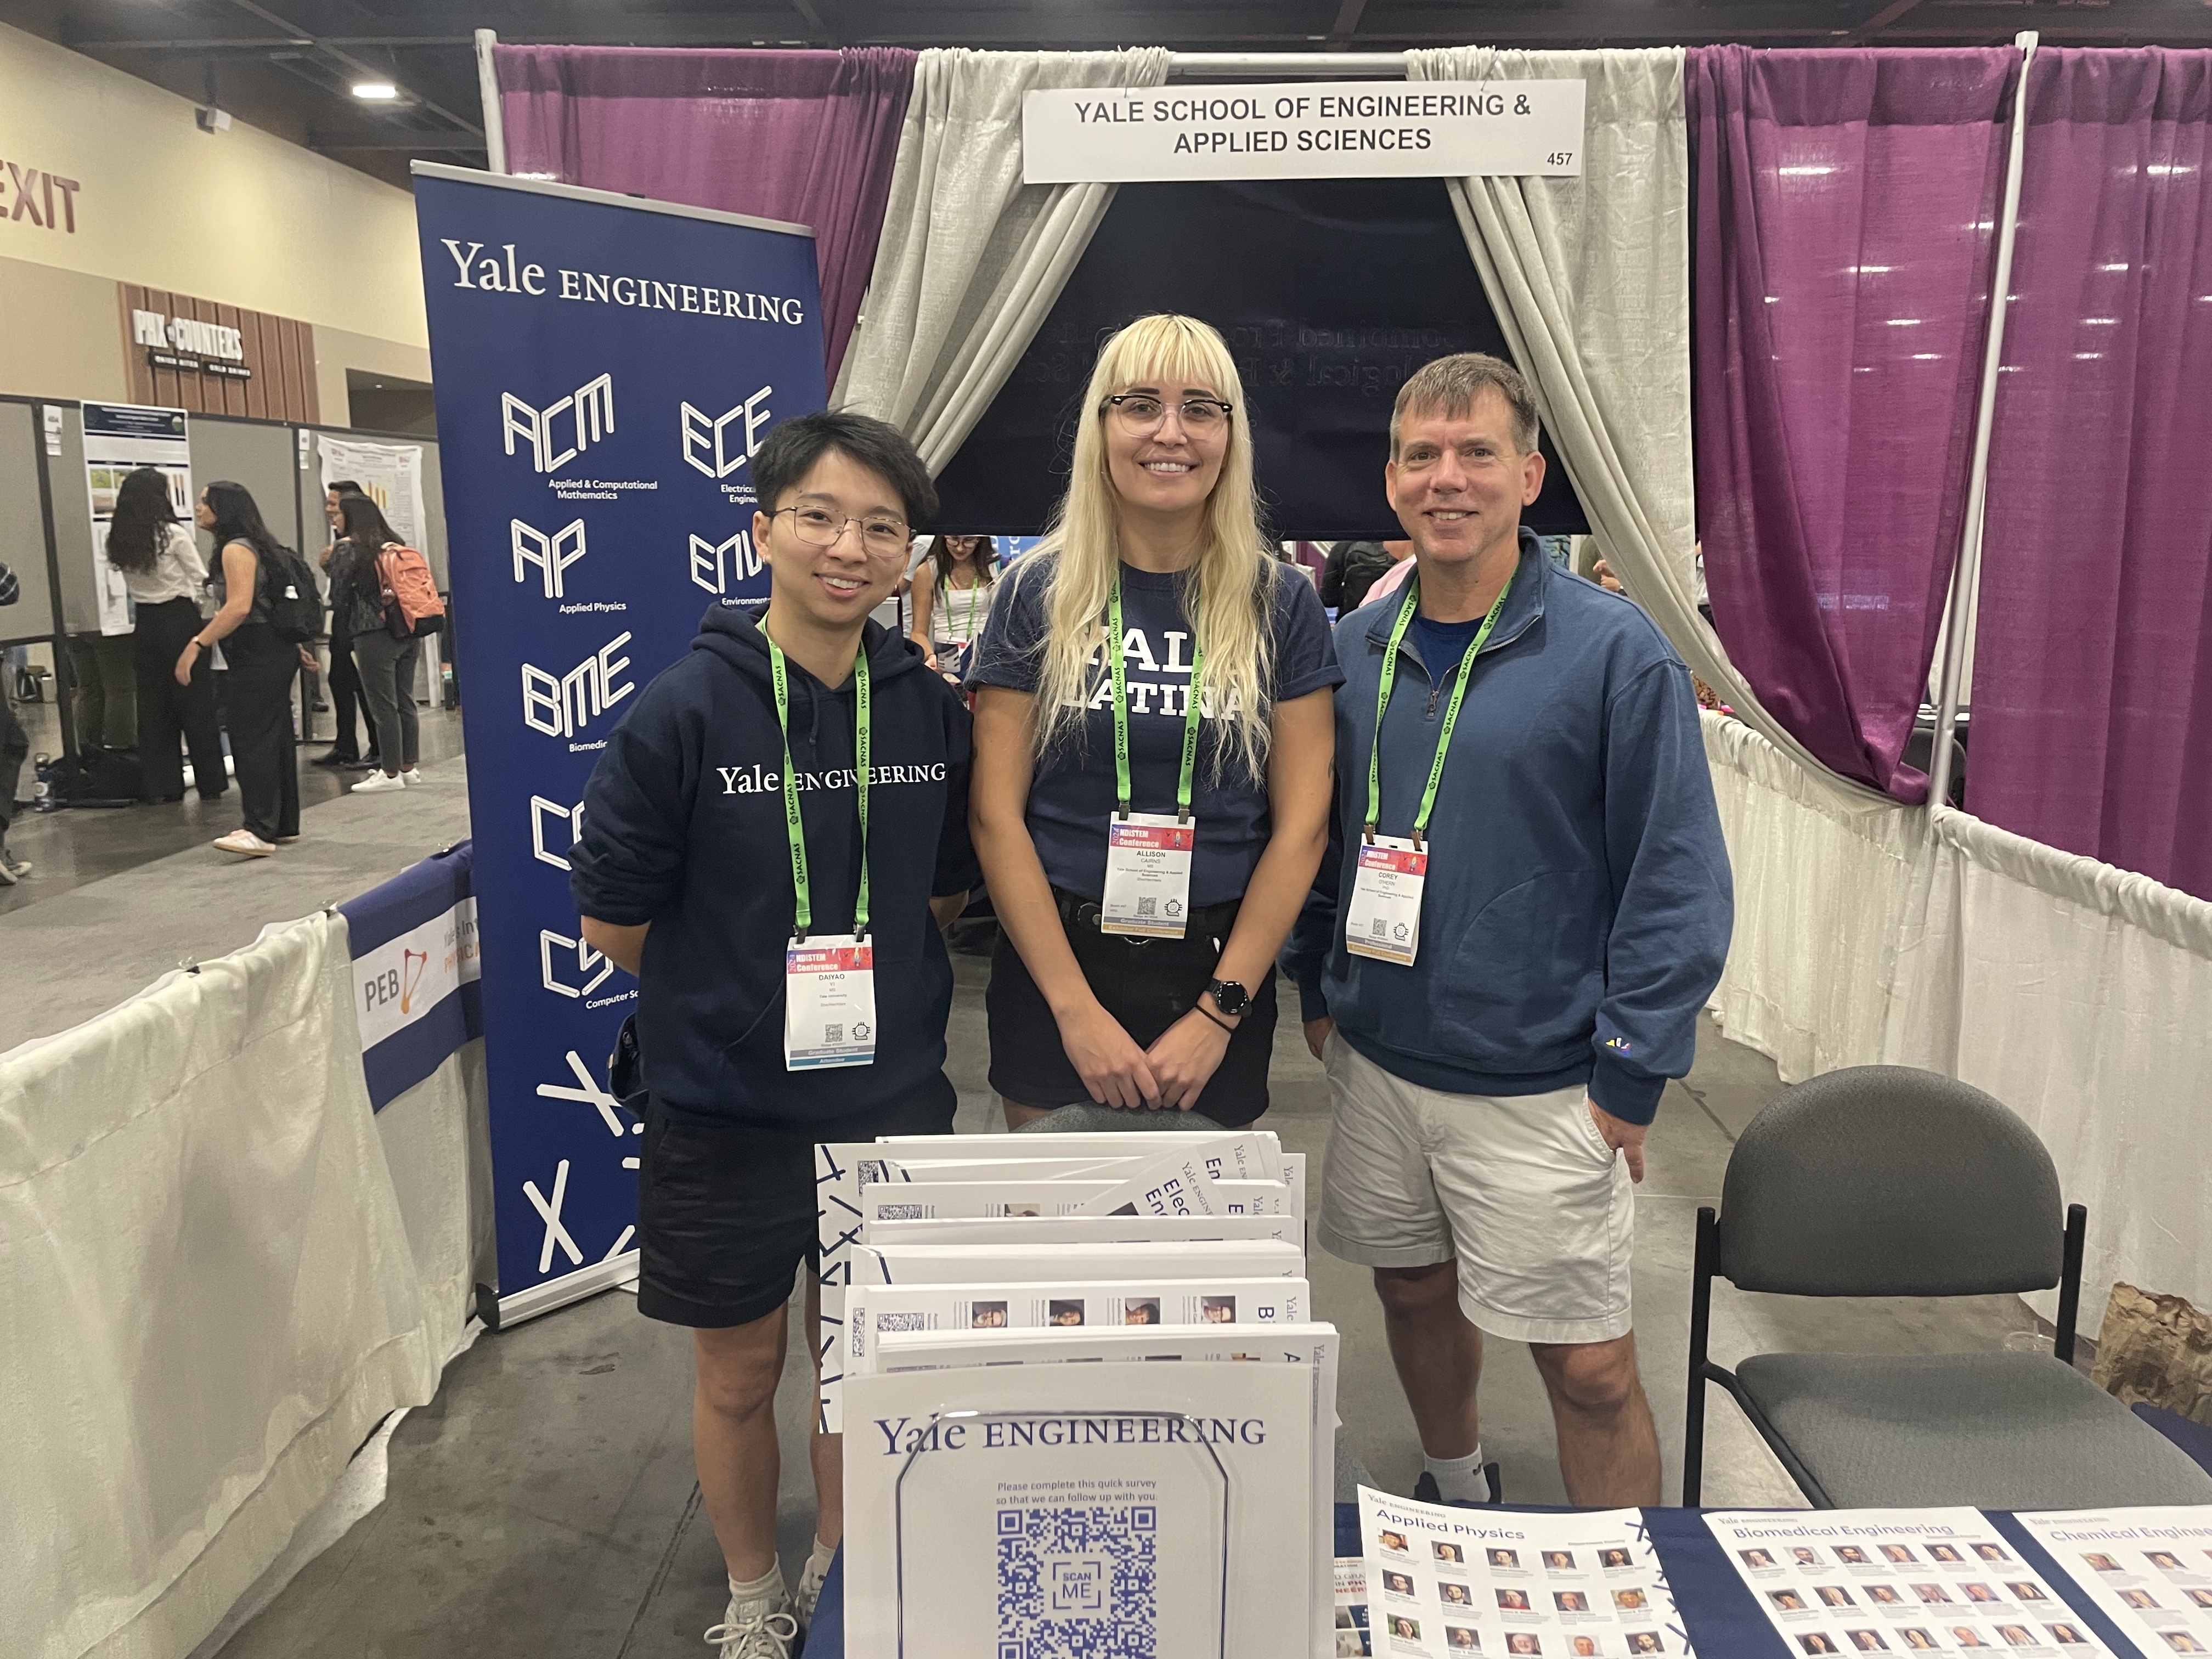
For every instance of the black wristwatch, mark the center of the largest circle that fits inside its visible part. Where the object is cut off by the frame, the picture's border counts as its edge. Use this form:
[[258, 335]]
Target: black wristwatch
[[1232, 998]]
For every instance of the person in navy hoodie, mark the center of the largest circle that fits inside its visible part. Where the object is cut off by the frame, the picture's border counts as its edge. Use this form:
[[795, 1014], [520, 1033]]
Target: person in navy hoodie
[[1530, 904], [721, 862]]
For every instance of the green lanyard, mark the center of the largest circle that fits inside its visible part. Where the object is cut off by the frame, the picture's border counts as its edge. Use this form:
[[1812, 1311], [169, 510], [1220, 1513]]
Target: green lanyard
[[974, 588], [1451, 712], [797, 831], [1121, 711]]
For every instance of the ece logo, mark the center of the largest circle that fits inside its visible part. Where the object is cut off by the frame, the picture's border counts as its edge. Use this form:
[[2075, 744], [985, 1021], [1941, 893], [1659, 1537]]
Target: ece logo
[[561, 705], [590, 412], [707, 437]]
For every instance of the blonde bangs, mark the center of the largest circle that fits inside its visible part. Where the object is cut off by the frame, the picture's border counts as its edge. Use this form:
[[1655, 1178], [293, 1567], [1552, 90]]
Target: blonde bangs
[[1229, 590]]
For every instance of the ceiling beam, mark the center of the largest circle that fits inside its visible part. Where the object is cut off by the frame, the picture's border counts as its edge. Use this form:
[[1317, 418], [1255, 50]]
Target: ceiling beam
[[428, 143], [1347, 24], [1880, 21], [358, 66], [816, 14]]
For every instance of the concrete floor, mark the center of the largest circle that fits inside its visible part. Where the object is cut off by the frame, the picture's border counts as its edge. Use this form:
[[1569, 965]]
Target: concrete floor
[[545, 1503]]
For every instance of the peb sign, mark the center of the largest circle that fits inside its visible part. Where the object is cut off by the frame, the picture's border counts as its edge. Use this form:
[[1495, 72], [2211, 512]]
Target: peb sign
[[1304, 129], [606, 369]]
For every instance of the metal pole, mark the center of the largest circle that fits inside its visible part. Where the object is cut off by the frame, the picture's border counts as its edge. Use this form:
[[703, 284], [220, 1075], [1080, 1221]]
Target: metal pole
[[1291, 65], [1966, 578], [488, 90]]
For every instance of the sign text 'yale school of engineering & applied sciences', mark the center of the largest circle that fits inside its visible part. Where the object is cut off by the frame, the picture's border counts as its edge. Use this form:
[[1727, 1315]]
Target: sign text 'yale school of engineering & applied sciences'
[[605, 369]]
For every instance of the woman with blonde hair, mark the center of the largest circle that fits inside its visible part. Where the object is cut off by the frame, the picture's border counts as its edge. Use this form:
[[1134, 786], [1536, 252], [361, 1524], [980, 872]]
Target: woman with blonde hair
[[1153, 738]]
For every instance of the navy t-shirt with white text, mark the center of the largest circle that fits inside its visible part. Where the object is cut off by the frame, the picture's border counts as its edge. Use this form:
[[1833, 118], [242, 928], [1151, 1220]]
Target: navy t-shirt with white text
[[1071, 794]]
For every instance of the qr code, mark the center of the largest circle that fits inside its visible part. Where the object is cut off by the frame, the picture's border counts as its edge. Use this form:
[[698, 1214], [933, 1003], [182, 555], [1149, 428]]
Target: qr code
[[901, 1213], [1078, 1582], [1378, 929], [832, 1034], [1148, 907], [901, 1321]]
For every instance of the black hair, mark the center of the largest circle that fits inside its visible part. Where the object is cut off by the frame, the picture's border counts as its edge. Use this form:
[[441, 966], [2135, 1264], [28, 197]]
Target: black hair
[[987, 559], [793, 446], [361, 522], [237, 518], [139, 527], [344, 487]]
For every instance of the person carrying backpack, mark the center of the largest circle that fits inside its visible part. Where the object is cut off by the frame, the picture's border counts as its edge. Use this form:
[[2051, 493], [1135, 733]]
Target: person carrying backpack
[[389, 602], [264, 606]]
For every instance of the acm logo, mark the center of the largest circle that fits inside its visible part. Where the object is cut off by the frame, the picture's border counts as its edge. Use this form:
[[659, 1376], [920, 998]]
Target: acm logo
[[584, 418]]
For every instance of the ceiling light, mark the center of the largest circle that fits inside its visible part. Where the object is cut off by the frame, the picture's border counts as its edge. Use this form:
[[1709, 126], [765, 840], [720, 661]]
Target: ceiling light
[[376, 91]]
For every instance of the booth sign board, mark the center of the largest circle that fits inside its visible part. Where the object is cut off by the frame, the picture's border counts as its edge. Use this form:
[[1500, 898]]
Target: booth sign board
[[1304, 129], [216, 359]]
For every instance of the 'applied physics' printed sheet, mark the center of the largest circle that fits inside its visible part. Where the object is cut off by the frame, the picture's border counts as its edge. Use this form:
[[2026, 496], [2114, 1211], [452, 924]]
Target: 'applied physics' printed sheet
[[2149, 1569], [1443, 1582], [1899, 1580]]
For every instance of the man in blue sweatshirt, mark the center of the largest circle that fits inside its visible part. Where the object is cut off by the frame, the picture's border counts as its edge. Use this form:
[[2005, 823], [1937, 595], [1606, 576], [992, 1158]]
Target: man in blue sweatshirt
[[769, 844], [1505, 963]]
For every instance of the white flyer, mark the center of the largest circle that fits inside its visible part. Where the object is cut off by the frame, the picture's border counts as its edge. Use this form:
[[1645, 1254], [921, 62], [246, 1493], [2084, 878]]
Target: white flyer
[[1442, 1581], [1449, 1580], [1351, 1641], [1889, 1580], [2149, 1569], [1085, 1230], [1129, 1507], [881, 1310]]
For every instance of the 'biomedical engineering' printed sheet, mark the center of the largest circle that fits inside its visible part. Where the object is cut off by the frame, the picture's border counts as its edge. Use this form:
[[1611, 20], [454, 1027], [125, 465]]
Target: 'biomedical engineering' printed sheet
[[1445, 1582], [1851, 1582]]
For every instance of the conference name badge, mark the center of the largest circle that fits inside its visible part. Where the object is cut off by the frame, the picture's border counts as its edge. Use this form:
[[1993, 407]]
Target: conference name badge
[[1384, 919], [1148, 874], [829, 1002]]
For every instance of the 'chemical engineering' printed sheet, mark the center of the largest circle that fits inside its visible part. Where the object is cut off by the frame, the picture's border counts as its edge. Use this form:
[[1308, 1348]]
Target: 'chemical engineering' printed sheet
[[1851, 1582], [2149, 1569], [1445, 1582]]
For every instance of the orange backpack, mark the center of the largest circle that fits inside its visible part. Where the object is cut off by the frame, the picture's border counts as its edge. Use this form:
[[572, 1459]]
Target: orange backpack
[[412, 608]]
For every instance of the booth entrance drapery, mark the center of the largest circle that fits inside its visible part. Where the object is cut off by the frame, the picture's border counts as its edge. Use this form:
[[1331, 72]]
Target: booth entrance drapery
[[2092, 677], [1589, 278], [1848, 202], [804, 137], [971, 258]]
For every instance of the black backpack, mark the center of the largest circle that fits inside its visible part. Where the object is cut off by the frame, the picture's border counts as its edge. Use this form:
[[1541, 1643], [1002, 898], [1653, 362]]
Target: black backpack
[[290, 596]]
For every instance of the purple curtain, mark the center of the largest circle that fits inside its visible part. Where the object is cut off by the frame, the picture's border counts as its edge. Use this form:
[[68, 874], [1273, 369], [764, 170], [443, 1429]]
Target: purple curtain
[[2093, 661], [807, 137], [1845, 208]]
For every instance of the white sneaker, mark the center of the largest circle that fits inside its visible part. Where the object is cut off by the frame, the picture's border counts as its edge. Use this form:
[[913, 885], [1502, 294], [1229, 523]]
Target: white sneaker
[[244, 841], [762, 1629], [412, 774], [380, 783], [12, 869], [810, 1595]]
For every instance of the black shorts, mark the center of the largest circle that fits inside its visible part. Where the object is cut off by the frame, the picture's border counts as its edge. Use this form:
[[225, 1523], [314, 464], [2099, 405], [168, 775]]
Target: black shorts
[[726, 1210], [1148, 984]]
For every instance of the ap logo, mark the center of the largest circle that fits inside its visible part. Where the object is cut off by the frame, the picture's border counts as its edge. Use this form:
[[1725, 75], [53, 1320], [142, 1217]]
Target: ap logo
[[708, 441], [561, 959], [561, 705], [552, 554], [719, 566], [579, 420]]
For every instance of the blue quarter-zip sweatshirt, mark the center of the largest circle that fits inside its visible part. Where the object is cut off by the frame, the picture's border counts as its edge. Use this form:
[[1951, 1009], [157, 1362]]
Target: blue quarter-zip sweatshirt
[[1578, 904]]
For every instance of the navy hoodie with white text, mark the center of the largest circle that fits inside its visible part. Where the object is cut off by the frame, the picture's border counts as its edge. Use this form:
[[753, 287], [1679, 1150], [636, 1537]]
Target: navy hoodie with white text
[[684, 828]]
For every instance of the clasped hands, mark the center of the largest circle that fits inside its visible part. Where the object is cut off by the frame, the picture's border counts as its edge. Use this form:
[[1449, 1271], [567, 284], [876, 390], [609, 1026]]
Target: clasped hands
[[1169, 1075]]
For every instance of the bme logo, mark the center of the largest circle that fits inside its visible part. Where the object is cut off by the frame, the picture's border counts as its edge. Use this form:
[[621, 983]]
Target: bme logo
[[719, 566], [591, 412], [561, 705], [567, 822], [706, 443], [552, 554]]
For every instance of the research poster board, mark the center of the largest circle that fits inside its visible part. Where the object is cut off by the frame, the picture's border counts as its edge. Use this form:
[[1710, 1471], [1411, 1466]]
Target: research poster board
[[606, 367], [390, 475], [119, 439]]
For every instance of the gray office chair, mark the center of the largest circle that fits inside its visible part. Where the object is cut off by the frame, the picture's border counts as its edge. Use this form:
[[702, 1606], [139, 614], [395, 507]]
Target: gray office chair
[[1887, 1180], [1087, 1117]]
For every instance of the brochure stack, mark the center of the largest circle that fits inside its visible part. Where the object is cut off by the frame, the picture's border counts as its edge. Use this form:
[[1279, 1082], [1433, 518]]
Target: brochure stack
[[1085, 1405]]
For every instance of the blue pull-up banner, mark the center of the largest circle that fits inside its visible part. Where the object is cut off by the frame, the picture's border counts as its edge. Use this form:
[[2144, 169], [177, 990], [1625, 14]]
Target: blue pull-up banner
[[605, 369]]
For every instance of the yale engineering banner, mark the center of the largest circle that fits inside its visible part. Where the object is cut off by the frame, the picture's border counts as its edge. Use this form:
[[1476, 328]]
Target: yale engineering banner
[[605, 369]]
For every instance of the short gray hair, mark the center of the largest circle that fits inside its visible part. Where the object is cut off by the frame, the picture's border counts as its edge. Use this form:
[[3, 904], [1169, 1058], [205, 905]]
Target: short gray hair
[[1450, 385]]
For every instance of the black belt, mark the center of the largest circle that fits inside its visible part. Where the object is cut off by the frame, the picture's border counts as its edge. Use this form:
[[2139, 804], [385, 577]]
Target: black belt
[[1076, 911]]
